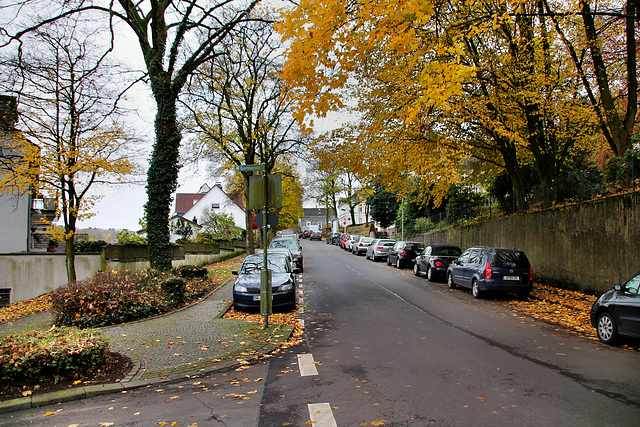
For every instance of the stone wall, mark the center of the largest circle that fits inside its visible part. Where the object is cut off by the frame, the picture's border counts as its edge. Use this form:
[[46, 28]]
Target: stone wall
[[588, 246]]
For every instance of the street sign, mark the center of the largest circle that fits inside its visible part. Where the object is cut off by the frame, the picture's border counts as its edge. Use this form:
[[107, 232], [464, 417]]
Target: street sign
[[250, 168], [272, 219]]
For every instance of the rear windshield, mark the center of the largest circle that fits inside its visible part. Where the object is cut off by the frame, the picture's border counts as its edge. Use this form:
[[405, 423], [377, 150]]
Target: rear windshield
[[510, 259], [446, 251], [414, 246]]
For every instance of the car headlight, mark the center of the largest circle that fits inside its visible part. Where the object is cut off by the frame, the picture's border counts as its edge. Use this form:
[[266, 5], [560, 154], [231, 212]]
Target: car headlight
[[240, 288], [286, 287]]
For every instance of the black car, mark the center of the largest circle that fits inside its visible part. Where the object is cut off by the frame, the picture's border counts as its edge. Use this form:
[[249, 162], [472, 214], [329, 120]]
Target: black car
[[435, 259], [617, 312], [315, 235], [293, 245], [492, 269], [246, 290], [332, 239], [404, 253]]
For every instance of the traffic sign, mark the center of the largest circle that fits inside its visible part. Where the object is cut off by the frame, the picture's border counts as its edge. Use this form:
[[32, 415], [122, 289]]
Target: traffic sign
[[249, 168]]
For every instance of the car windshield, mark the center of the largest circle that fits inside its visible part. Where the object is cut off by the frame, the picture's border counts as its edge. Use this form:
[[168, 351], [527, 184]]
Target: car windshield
[[446, 251], [510, 259], [253, 265], [284, 243]]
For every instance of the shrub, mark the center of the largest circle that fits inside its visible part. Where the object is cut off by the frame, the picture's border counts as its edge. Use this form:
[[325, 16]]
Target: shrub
[[58, 352], [175, 289], [191, 272], [84, 246], [109, 298]]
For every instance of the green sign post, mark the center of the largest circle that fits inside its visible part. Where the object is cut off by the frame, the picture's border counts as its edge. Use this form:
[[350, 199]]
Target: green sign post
[[265, 192]]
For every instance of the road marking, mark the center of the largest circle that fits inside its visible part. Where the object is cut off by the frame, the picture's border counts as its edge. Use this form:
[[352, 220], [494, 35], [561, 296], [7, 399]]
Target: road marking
[[321, 415], [306, 365]]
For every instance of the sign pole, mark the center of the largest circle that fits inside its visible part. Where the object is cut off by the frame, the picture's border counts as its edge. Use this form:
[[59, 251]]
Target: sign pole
[[265, 282]]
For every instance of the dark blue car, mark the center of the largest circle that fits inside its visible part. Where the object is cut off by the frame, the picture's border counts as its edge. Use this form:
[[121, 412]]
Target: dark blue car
[[246, 290], [485, 269], [617, 312]]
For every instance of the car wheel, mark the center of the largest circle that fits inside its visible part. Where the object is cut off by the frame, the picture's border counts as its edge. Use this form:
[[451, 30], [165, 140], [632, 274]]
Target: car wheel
[[450, 282], [475, 289], [398, 265], [606, 328], [416, 269], [374, 258], [388, 260], [429, 274]]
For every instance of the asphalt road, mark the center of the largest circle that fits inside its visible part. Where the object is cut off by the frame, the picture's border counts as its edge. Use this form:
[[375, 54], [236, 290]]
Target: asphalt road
[[385, 348]]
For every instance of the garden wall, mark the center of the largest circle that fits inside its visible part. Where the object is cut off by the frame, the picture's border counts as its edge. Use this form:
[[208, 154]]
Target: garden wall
[[26, 276], [587, 246]]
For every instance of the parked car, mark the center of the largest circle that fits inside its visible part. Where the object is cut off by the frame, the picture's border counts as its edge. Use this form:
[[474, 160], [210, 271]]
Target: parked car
[[332, 239], [492, 269], [617, 312], [343, 242], [403, 253], [283, 251], [348, 246], [315, 235], [293, 245], [246, 289], [286, 233], [434, 260], [379, 249], [360, 246]]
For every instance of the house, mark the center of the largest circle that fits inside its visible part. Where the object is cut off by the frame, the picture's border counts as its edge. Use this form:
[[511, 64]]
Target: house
[[25, 215], [315, 217], [190, 206]]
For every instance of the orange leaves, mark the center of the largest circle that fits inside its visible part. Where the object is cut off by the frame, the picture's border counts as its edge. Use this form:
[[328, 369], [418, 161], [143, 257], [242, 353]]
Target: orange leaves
[[24, 308]]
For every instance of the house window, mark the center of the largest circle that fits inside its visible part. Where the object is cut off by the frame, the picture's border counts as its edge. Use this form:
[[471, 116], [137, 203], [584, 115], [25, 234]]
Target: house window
[[215, 205], [5, 297]]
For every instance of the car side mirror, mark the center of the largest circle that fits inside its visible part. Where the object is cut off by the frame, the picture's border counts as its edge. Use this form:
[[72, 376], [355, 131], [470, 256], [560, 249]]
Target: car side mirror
[[618, 287], [295, 270], [234, 272]]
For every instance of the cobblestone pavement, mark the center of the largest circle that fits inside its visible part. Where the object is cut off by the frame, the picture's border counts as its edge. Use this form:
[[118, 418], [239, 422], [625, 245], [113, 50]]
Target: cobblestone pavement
[[188, 341]]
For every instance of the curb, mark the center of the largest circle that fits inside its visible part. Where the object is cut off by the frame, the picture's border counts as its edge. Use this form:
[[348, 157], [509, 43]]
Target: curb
[[20, 404]]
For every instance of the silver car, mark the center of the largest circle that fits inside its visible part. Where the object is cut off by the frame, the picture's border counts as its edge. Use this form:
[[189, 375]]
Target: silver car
[[360, 246], [379, 249]]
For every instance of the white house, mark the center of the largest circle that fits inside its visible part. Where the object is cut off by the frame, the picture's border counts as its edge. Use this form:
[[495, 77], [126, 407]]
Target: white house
[[24, 217], [190, 206]]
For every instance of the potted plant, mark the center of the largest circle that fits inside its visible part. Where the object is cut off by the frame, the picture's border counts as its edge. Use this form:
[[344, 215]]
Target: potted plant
[[53, 244]]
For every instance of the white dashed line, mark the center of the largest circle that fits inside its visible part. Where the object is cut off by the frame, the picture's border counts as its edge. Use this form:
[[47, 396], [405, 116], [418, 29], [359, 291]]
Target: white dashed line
[[321, 415], [306, 365]]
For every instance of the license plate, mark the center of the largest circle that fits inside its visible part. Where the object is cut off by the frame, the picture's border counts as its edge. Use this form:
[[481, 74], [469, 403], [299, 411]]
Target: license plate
[[516, 278], [256, 297]]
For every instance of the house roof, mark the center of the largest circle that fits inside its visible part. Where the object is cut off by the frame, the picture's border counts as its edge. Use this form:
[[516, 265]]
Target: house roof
[[184, 201]]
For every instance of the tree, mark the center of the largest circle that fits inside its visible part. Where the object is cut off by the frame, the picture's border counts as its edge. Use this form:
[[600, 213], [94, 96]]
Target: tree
[[219, 225], [183, 229], [236, 107], [384, 205], [175, 39], [72, 120]]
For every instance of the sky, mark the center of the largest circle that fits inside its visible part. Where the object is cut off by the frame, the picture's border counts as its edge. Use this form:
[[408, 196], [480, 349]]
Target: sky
[[122, 206]]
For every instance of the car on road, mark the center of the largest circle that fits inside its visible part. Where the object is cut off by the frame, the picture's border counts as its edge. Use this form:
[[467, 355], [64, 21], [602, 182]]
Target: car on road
[[348, 245], [294, 246], [360, 246], [332, 239], [483, 269], [379, 249], [434, 260], [315, 235], [246, 289], [403, 253], [617, 312], [287, 232]]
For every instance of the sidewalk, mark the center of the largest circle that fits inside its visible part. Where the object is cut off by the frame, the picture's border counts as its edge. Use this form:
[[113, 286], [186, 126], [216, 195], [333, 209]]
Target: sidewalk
[[191, 341]]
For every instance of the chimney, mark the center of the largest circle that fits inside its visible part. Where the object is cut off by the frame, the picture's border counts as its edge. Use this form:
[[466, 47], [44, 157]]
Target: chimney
[[8, 113]]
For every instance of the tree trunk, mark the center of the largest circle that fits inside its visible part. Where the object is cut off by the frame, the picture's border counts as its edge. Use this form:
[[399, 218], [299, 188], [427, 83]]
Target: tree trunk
[[162, 179]]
